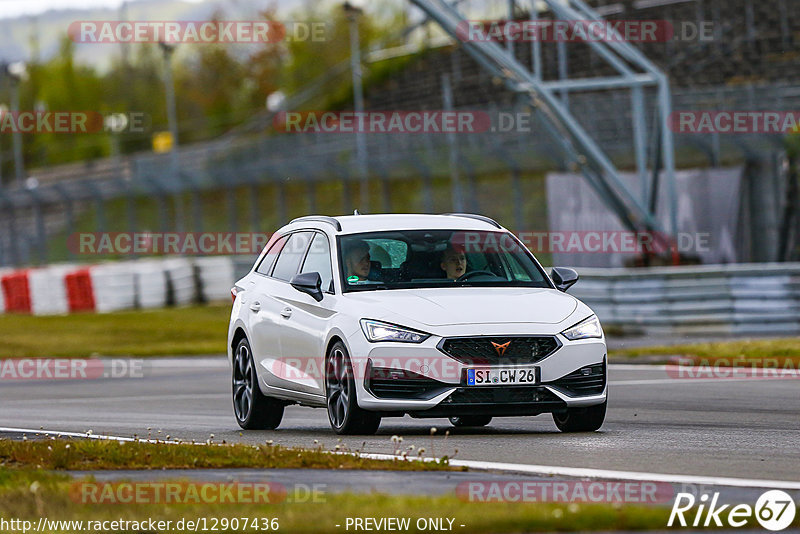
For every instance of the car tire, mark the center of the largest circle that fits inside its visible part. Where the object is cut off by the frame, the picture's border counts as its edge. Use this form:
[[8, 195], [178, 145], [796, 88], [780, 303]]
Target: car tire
[[344, 414], [253, 409], [470, 420], [581, 419]]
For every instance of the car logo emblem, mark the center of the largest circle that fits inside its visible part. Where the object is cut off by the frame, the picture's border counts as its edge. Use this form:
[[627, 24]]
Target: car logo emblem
[[500, 349]]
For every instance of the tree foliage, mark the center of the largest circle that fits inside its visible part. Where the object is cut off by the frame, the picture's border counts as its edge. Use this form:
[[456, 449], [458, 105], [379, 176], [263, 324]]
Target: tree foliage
[[217, 86]]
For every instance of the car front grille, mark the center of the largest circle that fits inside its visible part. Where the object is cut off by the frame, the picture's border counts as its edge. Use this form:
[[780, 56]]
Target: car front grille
[[501, 395], [511, 350], [496, 401], [589, 380]]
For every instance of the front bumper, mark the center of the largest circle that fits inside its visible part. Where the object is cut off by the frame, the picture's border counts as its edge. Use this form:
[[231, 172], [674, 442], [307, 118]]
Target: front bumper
[[433, 384]]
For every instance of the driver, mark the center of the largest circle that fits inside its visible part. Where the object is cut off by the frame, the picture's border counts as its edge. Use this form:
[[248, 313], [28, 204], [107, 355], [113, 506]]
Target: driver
[[454, 262], [357, 260]]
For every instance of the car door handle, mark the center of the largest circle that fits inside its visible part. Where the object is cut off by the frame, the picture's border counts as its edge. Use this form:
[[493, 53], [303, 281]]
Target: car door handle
[[286, 312], [255, 306]]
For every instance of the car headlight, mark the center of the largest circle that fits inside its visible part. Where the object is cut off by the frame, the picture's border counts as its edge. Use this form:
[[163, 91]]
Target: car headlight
[[378, 331], [585, 329]]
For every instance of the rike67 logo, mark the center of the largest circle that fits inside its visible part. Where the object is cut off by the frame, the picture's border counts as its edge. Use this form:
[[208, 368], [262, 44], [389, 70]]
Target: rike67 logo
[[774, 510]]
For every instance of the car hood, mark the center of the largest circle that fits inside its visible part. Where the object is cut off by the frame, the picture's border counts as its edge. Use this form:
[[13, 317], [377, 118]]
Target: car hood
[[472, 305]]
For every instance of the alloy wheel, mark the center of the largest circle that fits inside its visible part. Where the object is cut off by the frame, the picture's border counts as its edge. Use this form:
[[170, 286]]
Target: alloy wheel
[[338, 388], [242, 383]]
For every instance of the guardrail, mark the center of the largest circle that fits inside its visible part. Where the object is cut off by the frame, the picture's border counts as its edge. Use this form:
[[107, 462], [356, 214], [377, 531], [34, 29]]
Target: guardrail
[[734, 299], [707, 300]]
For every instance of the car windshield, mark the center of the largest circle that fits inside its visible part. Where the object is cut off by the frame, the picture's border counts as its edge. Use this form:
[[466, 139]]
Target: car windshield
[[414, 259]]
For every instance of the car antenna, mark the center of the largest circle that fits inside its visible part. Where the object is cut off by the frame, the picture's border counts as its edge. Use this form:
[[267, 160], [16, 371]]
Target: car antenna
[[356, 212]]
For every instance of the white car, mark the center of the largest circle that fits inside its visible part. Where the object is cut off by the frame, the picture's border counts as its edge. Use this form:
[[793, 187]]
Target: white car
[[377, 316]]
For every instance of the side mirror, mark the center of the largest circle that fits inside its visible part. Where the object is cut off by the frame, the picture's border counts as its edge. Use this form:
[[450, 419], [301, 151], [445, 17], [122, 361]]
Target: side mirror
[[563, 277], [310, 283]]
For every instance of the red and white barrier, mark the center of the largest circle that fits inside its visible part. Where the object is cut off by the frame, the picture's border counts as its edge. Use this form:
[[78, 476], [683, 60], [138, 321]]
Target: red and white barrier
[[47, 290], [3, 272], [80, 292], [216, 277], [16, 293], [114, 286], [107, 287], [151, 283], [180, 274]]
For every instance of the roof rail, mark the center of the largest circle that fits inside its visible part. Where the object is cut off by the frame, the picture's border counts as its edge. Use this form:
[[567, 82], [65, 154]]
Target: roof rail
[[476, 217], [319, 218]]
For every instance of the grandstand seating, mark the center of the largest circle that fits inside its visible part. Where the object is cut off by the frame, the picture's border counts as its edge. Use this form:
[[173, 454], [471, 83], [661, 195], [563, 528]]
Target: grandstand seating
[[746, 48]]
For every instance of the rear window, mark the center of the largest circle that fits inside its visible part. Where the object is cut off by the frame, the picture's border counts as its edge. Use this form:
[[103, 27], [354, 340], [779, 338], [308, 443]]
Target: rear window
[[389, 253], [265, 267], [290, 257]]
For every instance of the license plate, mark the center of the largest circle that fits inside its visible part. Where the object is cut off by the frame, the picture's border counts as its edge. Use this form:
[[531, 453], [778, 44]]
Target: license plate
[[503, 376]]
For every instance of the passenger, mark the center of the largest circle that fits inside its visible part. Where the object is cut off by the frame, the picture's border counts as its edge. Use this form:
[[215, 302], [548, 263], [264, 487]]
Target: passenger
[[356, 260], [454, 262]]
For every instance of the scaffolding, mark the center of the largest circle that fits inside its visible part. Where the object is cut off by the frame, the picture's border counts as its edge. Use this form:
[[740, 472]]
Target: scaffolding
[[550, 99]]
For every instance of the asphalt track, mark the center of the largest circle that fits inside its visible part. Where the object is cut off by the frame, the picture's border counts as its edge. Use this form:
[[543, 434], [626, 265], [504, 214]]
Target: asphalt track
[[739, 428]]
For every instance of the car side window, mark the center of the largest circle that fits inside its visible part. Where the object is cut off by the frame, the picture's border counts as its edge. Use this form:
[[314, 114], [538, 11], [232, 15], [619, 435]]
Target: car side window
[[318, 260], [265, 267], [517, 271], [290, 257]]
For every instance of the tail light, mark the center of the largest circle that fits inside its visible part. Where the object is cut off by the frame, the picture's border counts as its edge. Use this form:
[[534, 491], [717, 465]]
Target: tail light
[[234, 291]]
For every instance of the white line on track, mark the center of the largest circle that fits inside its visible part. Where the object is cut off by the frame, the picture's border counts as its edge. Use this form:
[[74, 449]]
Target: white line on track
[[581, 472], [575, 472], [190, 362], [636, 367], [122, 398], [689, 380], [67, 434]]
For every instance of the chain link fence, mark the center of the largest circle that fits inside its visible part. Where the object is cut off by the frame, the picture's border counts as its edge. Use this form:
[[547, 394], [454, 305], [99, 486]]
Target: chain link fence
[[259, 182]]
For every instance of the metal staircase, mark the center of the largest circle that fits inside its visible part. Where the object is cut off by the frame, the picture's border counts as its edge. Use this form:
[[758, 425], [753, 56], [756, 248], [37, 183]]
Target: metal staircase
[[581, 152]]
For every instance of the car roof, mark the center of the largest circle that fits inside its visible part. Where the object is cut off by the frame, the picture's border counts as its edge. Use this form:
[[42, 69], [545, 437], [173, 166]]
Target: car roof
[[353, 224]]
